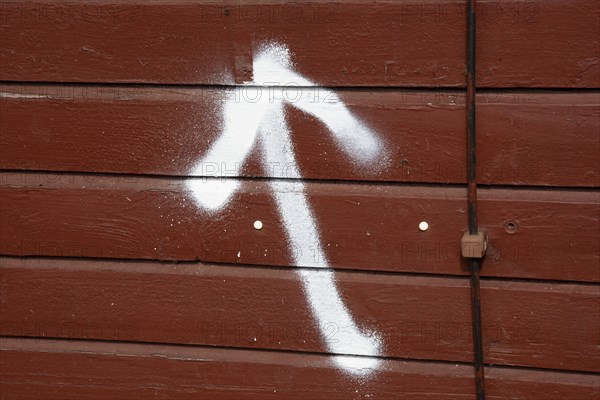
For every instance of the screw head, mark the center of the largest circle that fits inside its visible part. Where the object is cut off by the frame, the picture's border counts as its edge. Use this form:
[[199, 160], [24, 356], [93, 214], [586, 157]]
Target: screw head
[[258, 225], [423, 226]]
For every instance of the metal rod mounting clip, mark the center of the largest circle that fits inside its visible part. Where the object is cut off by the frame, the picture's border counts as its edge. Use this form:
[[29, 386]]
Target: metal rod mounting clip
[[473, 245]]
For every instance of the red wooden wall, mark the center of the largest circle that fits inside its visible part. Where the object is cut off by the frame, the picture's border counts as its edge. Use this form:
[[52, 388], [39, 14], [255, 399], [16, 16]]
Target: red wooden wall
[[115, 284]]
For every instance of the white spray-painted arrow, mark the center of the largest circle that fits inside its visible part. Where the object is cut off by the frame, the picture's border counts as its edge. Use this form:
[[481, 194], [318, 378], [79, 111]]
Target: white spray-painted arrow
[[260, 117]]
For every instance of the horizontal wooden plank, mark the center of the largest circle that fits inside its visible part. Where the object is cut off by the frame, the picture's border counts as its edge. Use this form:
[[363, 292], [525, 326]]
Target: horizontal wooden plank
[[529, 324], [335, 43], [524, 138], [542, 234], [94, 370]]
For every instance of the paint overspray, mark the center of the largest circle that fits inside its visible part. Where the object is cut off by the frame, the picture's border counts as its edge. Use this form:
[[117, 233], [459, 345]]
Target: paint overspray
[[261, 121]]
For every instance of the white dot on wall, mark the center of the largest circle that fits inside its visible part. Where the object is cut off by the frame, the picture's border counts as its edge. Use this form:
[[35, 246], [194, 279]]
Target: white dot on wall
[[258, 225], [423, 226]]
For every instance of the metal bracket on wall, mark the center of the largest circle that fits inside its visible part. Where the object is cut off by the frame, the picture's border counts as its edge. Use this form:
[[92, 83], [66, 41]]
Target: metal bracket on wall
[[473, 245]]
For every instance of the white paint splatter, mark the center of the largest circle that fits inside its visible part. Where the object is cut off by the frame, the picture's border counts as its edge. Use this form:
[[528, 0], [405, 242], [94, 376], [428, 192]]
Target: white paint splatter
[[260, 116], [212, 193]]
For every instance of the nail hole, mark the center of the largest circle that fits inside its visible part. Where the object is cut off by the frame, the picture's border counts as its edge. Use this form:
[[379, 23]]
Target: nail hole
[[511, 226], [258, 225], [423, 226]]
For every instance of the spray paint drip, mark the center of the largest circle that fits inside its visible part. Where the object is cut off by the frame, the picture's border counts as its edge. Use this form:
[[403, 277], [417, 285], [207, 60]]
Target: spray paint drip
[[261, 121]]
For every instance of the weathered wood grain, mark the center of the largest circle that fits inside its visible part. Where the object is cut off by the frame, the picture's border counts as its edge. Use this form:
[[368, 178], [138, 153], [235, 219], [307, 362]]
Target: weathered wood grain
[[525, 138], [542, 234], [335, 43], [425, 318], [31, 370]]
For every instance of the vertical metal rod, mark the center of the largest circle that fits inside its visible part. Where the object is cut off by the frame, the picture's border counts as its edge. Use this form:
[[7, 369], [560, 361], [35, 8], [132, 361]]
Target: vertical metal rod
[[474, 263], [477, 334], [471, 116]]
